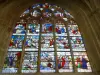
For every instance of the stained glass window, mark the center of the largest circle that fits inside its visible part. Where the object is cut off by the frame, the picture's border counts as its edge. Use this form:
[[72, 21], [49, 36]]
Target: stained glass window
[[46, 39]]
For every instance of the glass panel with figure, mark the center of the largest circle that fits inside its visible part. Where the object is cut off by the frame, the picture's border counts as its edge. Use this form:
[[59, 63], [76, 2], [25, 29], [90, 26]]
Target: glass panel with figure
[[47, 56], [62, 43], [77, 43], [47, 29], [73, 30], [78, 47], [76, 40], [16, 42], [60, 29], [20, 29], [29, 62], [47, 43], [64, 62], [32, 43], [47, 66], [82, 62], [12, 61], [33, 28], [47, 13]]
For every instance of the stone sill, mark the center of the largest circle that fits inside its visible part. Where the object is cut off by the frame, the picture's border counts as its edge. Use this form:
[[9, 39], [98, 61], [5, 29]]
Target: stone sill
[[82, 73]]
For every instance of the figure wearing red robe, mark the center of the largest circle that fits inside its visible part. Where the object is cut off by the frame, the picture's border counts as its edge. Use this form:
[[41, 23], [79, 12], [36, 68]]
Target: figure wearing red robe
[[63, 61], [46, 5], [66, 46], [28, 66], [73, 31], [51, 42], [64, 43], [50, 28], [49, 65], [11, 43], [57, 29]]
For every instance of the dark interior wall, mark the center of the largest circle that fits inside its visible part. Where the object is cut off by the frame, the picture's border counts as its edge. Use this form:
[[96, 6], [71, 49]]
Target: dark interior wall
[[85, 12]]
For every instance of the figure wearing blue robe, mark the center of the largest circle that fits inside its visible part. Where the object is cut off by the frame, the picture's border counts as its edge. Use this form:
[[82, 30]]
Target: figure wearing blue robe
[[15, 42], [41, 67], [23, 32], [62, 30], [59, 31], [84, 63], [26, 43], [11, 60], [41, 5], [33, 30], [59, 65]]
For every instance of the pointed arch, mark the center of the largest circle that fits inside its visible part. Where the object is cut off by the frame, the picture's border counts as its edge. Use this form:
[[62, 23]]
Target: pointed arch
[[46, 39]]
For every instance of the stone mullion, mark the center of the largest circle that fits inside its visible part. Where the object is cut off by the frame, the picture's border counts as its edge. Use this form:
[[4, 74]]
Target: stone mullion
[[69, 41], [39, 50], [55, 47], [2, 58], [23, 51]]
